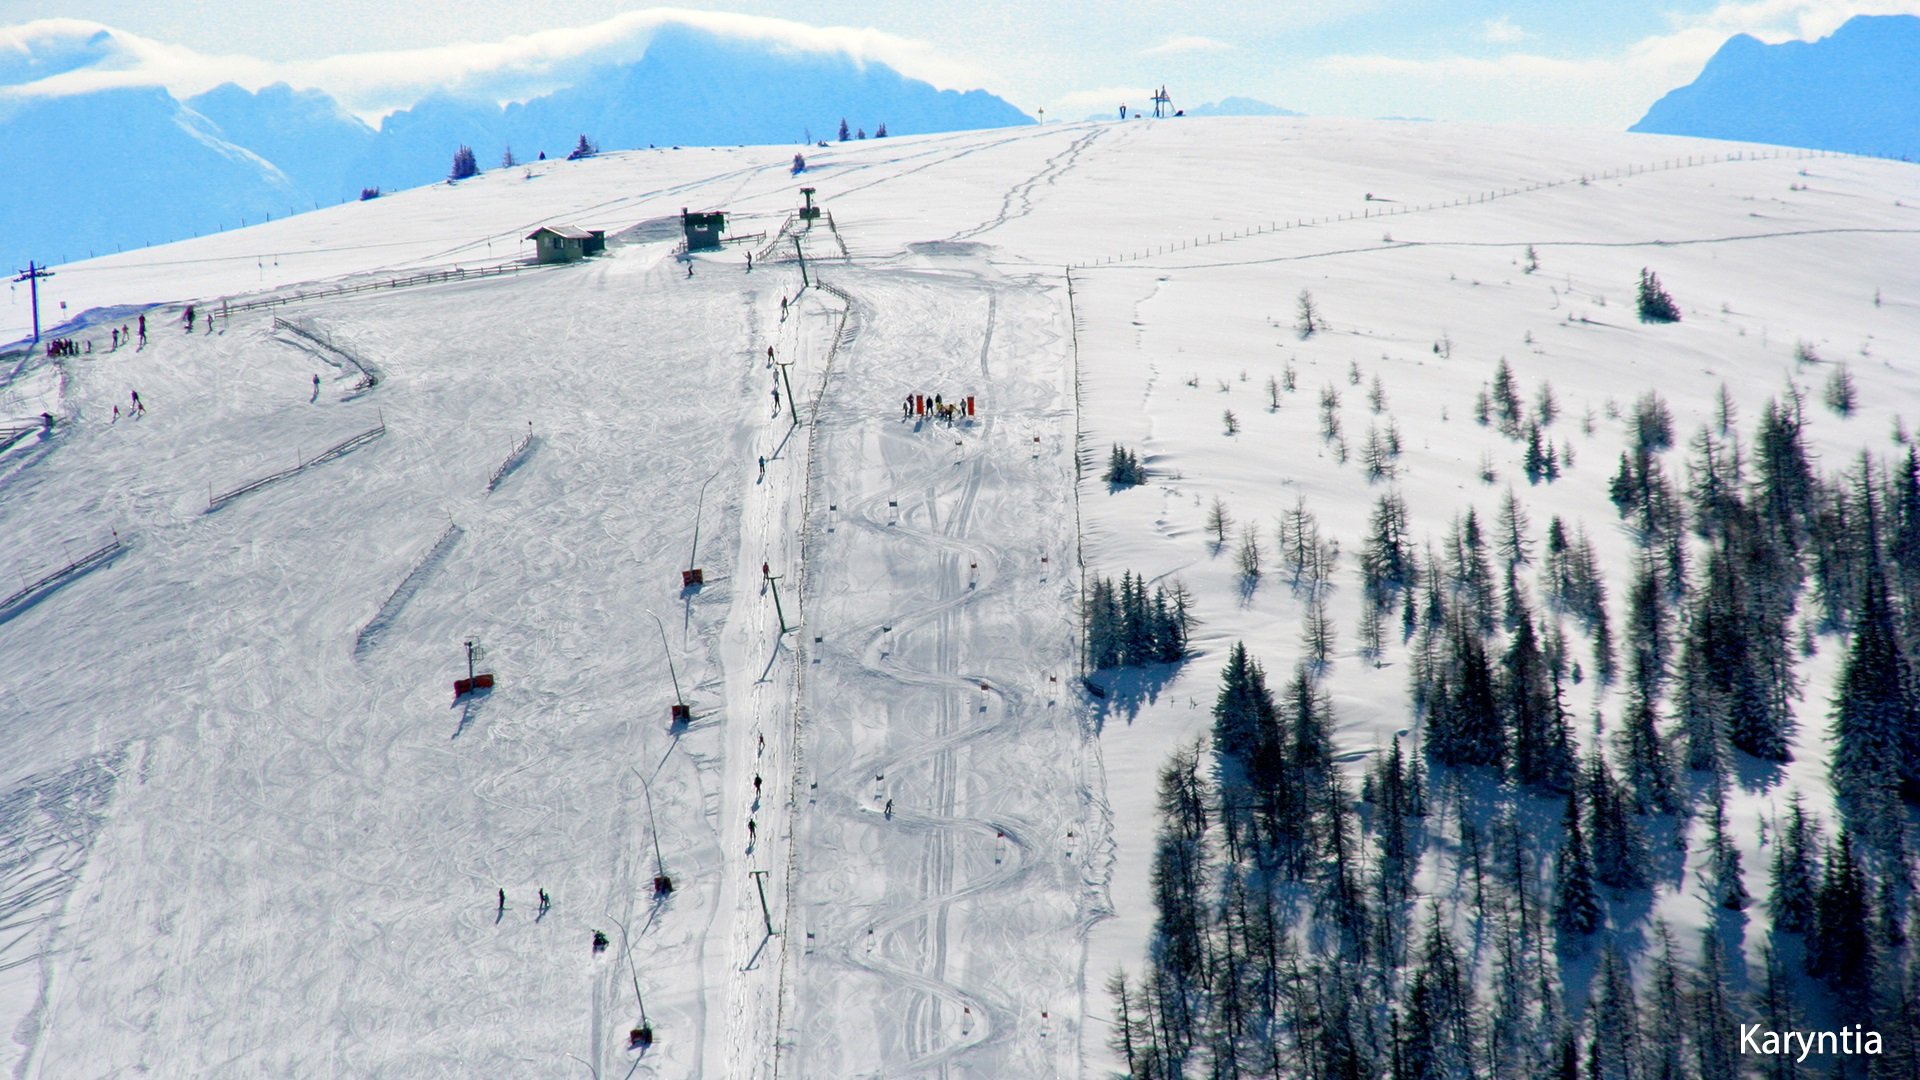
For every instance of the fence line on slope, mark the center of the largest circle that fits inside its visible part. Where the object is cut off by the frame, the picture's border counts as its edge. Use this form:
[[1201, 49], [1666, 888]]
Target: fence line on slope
[[512, 459], [346, 446], [844, 334], [24, 596], [369, 374], [404, 592], [229, 305], [1368, 213]]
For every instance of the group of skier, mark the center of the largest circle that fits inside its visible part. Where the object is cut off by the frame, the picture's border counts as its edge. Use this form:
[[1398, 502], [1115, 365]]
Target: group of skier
[[66, 347], [936, 407], [546, 902]]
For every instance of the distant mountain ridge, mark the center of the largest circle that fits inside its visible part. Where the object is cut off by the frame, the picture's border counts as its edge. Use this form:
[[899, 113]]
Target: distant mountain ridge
[[122, 168], [1853, 91]]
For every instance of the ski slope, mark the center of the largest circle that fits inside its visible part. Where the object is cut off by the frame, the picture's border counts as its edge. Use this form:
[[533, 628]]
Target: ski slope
[[254, 837]]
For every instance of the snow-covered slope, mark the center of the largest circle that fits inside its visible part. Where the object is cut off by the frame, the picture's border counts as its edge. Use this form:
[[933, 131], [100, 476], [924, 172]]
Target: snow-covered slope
[[260, 841]]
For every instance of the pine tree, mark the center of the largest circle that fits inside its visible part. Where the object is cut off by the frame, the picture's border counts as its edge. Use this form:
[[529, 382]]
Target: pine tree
[[1873, 732], [1796, 855], [1620, 857], [1712, 1023], [844, 134], [1218, 522], [1616, 1019], [1723, 860], [1663, 1038], [1653, 303], [1576, 903], [1307, 315], [881, 131], [1774, 1009], [1840, 948], [464, 166]]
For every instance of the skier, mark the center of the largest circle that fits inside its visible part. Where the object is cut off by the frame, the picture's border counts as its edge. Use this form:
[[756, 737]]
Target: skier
[[756, 785], [503, 901], [116, 339], [189, 318], [137, 407], [889, 809], [116, 414], [749, 262], [763, 744], [776, 399], [763, 467], [544, 902], [316, 384], [769, 356], [689, 269], [143, 331], [783, 309], [751, 828]]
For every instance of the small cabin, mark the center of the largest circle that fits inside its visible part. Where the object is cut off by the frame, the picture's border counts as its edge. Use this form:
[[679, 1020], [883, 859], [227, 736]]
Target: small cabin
[[566, 243], [703, 230]]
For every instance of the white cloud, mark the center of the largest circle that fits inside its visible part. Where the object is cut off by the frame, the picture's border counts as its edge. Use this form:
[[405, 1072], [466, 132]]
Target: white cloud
[[1188, 43], [1502, 31], [1611, 89], [517, 67]]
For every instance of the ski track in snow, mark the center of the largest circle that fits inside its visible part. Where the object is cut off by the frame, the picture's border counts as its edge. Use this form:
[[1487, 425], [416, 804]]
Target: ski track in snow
[[898, 914]]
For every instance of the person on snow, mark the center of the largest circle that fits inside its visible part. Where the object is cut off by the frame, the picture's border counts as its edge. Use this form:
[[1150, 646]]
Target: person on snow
[[889, 809], [783, 309], [116, 414], [316, 384], [137, 407], [756, 784], [544, 902], [776, 399], [689, 269], [749, 262], [763, 468], [503, 900], [143, 331], [750, 830], [189, 318], [769, 356]]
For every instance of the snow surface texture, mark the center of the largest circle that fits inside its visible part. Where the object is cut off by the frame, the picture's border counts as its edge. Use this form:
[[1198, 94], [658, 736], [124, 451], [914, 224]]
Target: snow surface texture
[[257, 840]]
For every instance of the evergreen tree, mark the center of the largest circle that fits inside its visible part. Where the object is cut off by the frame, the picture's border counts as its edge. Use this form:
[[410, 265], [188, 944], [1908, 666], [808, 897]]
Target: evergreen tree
[[1616, 1019], [1653, 302], [464, 165], [1464, 726], [1840, 948], [1873, 710], [844, 133], [1540, 740], [1576, 903], [1728, 890], [1773, 1004], [1620, 856], [1792, 872], [1713, 1025], [1665, 1040]]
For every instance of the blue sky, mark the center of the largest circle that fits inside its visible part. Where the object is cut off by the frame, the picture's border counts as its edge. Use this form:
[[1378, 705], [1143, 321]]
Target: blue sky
[[1583, 63]]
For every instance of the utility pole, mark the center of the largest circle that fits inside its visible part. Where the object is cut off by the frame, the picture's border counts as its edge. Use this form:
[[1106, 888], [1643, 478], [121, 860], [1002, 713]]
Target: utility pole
[[774, 581], [793, 409], [32, 275], [760, 879], [680, 706]]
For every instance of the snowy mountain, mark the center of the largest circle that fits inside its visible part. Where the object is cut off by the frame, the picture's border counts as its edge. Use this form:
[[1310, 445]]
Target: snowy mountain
[[305, 133], [124, 168], [230, 153], [257, 832], [1239, 106], [1853, 91]]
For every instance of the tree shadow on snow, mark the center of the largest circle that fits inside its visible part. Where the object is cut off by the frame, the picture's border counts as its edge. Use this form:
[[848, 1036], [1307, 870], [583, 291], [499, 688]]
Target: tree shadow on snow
[[1125, 690]]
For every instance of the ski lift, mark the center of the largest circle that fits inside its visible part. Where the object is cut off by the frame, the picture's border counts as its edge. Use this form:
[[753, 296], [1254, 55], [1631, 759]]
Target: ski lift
[[476, 680]]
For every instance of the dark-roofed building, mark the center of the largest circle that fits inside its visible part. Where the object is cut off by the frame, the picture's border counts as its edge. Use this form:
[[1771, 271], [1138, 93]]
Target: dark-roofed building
[[703, 230], [566, 243]]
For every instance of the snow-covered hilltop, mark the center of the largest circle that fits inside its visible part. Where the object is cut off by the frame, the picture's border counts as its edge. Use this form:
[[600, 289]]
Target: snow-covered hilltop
[[255, 837]]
